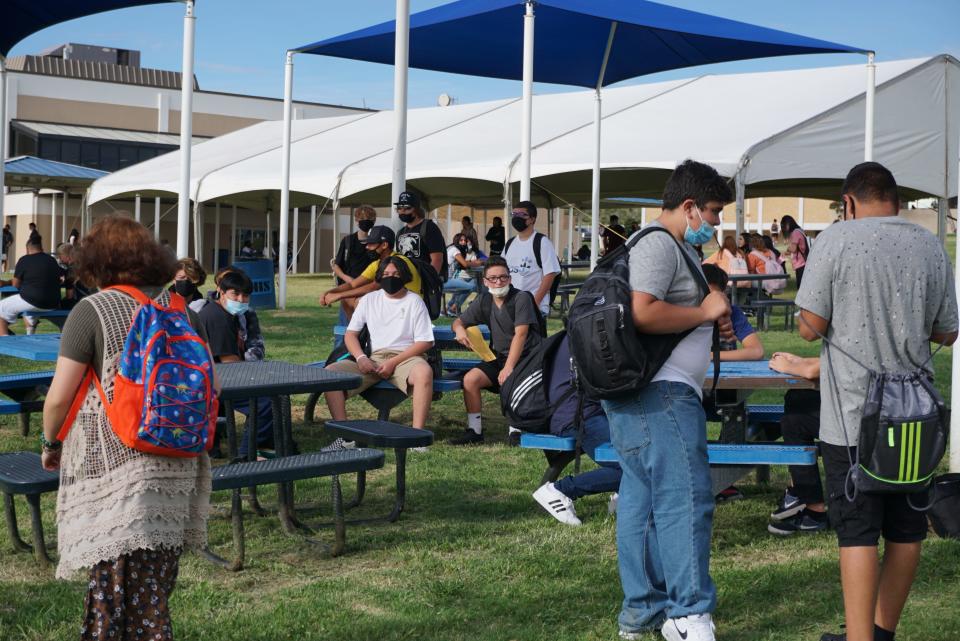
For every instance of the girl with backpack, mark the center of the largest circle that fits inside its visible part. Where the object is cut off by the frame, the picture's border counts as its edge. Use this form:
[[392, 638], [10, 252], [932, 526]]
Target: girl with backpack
[[763, 261], [729, 258], [798, 245], [124, 514]]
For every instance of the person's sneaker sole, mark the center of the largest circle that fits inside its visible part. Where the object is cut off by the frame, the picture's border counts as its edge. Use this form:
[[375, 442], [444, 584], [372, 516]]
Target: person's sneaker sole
[[784, 528]]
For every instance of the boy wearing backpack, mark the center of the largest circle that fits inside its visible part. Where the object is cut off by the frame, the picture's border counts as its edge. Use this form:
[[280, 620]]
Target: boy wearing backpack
[[516, 327], [666, 503], [881, 308], [531, 256]]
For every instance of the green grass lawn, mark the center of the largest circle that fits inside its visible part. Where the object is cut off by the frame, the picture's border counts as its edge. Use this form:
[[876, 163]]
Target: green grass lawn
[[473, 556]]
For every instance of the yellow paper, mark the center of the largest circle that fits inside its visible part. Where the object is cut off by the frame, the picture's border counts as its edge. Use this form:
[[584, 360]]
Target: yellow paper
[[479, 345]]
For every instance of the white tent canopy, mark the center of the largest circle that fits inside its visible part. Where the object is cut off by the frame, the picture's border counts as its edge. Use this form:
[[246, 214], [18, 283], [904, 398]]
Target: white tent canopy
[[788, 132]]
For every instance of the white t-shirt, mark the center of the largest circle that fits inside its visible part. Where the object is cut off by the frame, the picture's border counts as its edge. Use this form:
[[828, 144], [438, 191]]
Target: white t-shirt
[[526, 274], [394, 323]]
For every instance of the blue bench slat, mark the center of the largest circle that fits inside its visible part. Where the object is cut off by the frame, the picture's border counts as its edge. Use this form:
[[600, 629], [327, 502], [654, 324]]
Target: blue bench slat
[[53, 313], [20, 473], [26, 379], [548, 442], [380, 433], [764, 413], [9, 407], [460, 364]]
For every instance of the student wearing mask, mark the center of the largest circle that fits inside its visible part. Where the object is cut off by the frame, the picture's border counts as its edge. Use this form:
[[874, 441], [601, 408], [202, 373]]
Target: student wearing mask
[[379, 245], [532, 258], [515, 328], [468, 230], [351, 258], [461, 256], [420, 238], [227, 340], [189, 278], [400, 335]]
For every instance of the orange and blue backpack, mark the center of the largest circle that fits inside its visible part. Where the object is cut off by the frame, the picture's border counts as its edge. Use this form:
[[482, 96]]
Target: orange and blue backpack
[[164, 401]]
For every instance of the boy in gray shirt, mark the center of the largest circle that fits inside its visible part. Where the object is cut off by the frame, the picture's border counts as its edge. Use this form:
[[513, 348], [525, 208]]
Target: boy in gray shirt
[[879, 288]]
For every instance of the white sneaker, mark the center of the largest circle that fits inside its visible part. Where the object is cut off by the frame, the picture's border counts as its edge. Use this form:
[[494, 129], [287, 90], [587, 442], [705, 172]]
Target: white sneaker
[[612, 503], [556, 503], [419, 450], [695, 627], [339, 444]]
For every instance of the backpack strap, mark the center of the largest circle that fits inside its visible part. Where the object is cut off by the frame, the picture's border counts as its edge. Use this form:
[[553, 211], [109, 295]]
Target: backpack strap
[[537, 243], [506, 247], [177, 302]]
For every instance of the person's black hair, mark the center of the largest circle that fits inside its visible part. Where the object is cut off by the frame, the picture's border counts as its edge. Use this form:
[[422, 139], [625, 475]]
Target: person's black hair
[[788, 224], [457, 237], [237, 281], [466, 219], [495, 261], [528, 206], [614, 219], [715, 275], [497, 220], [696, 181], [32, 225], [403, 271], [871, 182], [35, 241]]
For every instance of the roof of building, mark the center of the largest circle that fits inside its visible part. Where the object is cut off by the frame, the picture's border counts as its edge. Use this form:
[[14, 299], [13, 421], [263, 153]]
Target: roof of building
[[99, 71], [101, 133], [28, 171]]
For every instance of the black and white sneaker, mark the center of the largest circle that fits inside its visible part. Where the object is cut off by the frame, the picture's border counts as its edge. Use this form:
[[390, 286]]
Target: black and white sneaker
[[339, 444], [789, 506], [469, 437], [801, 522], [558, 504]]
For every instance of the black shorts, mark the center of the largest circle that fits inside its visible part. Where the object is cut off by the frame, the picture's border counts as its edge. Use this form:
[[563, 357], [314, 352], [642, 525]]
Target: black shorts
[[492, 369], [869, 516]]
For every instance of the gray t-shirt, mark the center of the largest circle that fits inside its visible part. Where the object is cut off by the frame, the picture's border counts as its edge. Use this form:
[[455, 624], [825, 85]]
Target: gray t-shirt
[[502, 327], [885, 285], [658, 268]]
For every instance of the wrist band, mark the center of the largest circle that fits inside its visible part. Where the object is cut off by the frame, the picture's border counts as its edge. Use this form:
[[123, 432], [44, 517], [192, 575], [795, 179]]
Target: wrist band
[[49, 446]]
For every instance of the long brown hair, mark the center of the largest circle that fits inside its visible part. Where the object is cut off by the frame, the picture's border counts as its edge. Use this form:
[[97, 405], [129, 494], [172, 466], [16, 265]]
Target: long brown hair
[[121, 251], [730, 244]]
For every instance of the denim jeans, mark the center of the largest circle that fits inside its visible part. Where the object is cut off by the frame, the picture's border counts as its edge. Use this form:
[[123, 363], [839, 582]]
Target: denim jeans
[[606, 478], [665, 512]]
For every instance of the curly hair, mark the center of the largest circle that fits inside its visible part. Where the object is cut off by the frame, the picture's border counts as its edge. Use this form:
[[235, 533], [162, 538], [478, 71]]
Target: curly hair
[[193, 269], [121, 251]]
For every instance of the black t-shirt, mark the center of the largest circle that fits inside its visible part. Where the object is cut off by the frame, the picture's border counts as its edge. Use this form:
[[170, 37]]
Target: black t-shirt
[[40, 278], [7, 239], [411, 245], [352, 256], [223, 332], [614, 240], [495, 236]]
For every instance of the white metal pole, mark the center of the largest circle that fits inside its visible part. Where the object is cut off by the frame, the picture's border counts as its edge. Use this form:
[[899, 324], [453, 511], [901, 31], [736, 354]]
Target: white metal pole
[[186, 131], [570, 234], [136, 208], [643, 217], [268, 242], [53, 220], [401, 61], [198, 219], [216, 237], [955, 380], [800, 206], [156, 218], [450, 222], [760, 216], [63, 216], [285, 177], [739, 187], [597, 117], [871, 95], [3, 133], [296, 239], [526, 135], [233, 236], [313, 239]]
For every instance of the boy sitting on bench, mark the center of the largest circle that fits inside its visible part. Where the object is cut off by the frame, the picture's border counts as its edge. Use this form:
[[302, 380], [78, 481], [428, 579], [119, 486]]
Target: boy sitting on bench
[[515, 327], [400, 333], [38, 277]]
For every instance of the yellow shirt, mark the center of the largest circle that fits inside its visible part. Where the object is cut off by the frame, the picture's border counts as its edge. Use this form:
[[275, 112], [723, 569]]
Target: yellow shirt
[[370, 273]]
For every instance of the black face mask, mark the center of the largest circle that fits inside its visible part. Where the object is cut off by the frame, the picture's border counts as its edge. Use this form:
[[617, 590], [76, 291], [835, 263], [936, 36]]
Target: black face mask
[[372, 255], [462, 248], [185, 287], [407, 218], [365, 225], [519, 223], [391, 284]]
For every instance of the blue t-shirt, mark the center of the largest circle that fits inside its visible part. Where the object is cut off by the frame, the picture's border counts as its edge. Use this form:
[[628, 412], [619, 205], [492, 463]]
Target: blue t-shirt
[[741, 326]]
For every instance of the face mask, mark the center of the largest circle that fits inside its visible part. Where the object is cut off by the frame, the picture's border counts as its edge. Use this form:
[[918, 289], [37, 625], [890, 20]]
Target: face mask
[[407, 218], [365, 225], [236, 308], [499, 292], [185, 287], [462, 248], [519, 223], [699, 236], [372, 255], [469, 248], [391, 284]]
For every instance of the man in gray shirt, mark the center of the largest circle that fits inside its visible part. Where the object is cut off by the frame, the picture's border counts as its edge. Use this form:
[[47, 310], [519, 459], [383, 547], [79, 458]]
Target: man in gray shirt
[[665, 510], [879, 288]]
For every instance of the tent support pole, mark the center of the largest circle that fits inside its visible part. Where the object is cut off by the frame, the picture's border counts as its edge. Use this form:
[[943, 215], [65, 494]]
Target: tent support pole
[[740, 197], [285, 178], [63, 216], [313, 239], [955, 380], [336, 227], [870, 106], [156, 218], [136, 208], [186, 131], [233, 236], [3, 133], [570, 234], [53, 221], [401, 62], [216, 238], [597, 118], [295, 228], [450, 221], [526, 128]]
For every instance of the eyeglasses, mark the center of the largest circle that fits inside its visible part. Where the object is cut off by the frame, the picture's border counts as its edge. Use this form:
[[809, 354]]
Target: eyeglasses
[[522, 213], [404, 208], [497, 279]]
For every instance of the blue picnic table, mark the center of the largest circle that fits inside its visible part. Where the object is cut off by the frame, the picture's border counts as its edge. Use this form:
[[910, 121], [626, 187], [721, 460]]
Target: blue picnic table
[[752, 375], [38, 347], [26, 389]]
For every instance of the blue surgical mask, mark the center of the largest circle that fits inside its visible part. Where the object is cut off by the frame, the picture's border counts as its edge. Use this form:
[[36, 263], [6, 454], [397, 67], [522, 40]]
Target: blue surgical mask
[[236, 308], [702, 235]]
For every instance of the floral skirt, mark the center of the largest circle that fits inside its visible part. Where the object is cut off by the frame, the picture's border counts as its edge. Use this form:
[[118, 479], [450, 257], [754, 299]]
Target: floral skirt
[[127, 598]]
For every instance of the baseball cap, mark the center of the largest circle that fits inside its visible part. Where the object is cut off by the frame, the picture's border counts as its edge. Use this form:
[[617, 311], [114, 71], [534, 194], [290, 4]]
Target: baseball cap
[[379, 234], [408, 199]]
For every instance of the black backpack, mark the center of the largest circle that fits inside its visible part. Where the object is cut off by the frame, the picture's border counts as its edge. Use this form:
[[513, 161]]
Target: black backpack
[[486, 308], [611, 358], [431, 287], [523, 396]]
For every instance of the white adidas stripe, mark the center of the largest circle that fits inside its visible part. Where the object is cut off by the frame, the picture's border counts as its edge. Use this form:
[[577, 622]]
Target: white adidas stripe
[[524, 389]]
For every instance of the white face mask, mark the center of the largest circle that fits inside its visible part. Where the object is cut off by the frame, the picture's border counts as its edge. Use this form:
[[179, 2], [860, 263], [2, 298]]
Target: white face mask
[[500, 292]]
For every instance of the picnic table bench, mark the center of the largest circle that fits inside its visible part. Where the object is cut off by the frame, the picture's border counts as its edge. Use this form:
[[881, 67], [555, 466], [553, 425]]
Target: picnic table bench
[[24, 390]]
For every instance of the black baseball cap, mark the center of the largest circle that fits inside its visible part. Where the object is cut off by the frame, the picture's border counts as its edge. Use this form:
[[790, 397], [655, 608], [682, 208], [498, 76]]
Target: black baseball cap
[[408, 199], [379, 234]]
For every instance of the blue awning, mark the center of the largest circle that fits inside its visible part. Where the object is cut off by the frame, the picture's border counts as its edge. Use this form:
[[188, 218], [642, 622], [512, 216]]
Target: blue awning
[[485, 38], [28, 171], [22, 18]]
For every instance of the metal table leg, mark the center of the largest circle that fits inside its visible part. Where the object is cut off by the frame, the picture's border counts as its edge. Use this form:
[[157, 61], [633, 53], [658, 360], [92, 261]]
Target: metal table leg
[[239, 542], [401, 496], [10, 511], [39, 545]]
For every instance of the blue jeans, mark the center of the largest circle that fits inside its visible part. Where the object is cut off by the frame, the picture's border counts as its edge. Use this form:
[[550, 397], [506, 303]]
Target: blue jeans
[[665, 511], [606, 478], [459, 291]]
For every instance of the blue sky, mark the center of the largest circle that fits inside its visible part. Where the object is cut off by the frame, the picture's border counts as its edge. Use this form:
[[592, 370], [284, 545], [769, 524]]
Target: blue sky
[[241, 43]]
